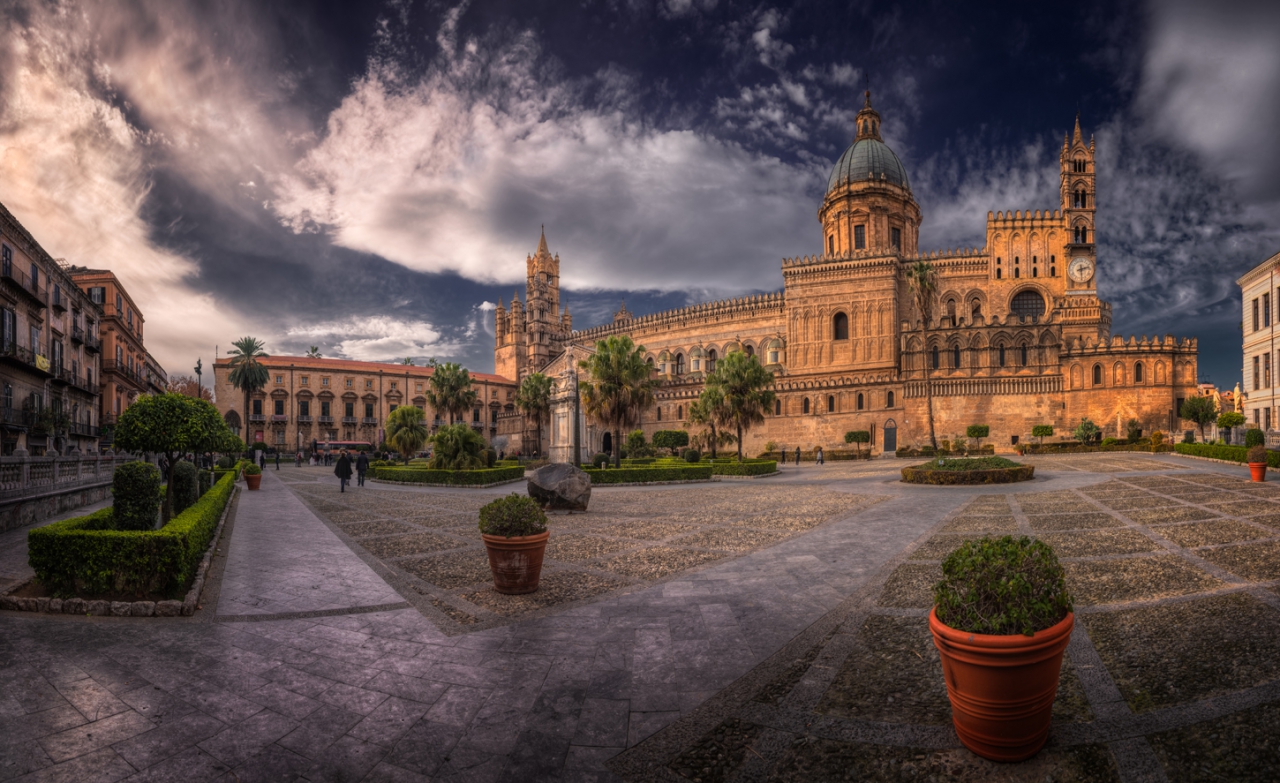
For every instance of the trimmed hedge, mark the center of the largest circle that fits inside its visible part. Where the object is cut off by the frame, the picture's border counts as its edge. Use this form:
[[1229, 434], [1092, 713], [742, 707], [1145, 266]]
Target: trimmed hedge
[[919, 474], [136, 494], [186, 486], [988, 449], [1077, 448], [752, 468], [452, 478], [86, 556], [646, 475], [1228, 453]]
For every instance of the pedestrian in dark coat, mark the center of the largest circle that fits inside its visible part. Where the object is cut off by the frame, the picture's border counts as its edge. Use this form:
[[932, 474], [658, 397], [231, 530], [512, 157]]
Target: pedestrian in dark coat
[[820, 460], [784, 455], [362, 465], [797, 456], [343, 471], [277, 459]]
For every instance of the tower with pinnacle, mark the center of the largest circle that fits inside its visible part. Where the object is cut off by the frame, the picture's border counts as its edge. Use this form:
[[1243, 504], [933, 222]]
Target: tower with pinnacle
[[528, 335]]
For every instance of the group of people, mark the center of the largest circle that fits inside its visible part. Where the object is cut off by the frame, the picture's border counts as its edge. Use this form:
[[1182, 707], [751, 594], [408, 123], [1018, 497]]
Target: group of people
[[344, 465], [817, 456]]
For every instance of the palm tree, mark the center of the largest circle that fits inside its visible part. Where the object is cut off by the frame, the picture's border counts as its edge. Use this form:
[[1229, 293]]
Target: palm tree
[[922, 281], [408, 360], [247, 373], [314, 352], [744, 385], [450, 390], [406, 430], [710, 412], [618, 386], [457, 447], [534, 400]]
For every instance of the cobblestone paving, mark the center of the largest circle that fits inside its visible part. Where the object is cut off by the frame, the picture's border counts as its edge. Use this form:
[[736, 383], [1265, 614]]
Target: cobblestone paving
[[1176, 644]]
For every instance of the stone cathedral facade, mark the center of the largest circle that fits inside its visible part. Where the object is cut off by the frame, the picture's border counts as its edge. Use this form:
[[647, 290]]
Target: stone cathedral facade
[[1019, 335]]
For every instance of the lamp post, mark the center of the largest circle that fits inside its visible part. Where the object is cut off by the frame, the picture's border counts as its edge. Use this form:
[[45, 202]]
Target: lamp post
[[199, 390]]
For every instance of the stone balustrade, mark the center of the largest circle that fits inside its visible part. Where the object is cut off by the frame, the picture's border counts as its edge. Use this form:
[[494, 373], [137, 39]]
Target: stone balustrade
[[36, 488]]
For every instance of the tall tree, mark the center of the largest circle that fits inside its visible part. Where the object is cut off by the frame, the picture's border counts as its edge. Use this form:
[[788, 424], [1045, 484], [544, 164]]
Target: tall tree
[[408, 360], [1199, 409], [534, 400], [449, 390], [745, 386], [711, 412], [922, 281], [406, 430], [457, 447], [618, 386], [247, 372], [314, 352], [185, 384], [170, 425]]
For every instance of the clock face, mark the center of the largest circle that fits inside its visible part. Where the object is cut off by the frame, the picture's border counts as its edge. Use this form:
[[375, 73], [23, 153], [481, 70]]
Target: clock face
[[1081, 269]]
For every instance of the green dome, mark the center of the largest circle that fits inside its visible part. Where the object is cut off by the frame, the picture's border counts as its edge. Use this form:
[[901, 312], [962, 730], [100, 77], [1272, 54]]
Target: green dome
[[868, 159]]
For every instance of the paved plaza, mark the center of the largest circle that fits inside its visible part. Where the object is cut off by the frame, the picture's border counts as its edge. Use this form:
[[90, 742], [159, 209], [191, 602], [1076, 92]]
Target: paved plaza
[[767, 629]]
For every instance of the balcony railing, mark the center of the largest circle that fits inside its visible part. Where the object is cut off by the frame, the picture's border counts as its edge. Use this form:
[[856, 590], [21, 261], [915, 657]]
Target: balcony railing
[[29, 359], [29, 288], [369, 420], [58, 301], [15, 417], [348, 419], [305, 419], [77, 334], [257, 417], [92, 343], [279, 418], [326, 420], [85, 430], [134, 376]]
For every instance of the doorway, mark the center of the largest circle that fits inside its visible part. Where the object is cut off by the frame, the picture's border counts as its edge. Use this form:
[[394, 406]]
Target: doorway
[[890, 436], [606, 445]]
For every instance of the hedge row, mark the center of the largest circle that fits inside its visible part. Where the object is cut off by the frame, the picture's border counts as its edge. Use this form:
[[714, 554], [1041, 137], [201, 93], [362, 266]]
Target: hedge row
[[645, 475], [1079, 448], [929, 451], [745, 468], [915, 475], [453, 478], [84, 556], [1229, 453]]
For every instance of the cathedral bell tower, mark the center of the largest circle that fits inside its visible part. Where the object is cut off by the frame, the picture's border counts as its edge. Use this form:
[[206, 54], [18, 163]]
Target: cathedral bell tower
[[544, 323], [1078, 210]]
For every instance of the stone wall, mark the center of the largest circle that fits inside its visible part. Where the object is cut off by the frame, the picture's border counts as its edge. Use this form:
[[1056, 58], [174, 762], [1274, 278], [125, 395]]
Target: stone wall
[[33, 489]]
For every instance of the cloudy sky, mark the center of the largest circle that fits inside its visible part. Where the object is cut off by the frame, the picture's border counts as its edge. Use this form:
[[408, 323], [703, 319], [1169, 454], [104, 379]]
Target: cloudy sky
[[369, 177]]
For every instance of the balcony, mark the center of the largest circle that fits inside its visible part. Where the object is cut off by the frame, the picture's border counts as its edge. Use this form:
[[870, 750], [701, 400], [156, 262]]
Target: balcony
[[326, 420], [304, 419], [122, 371], [77, 334], [15, 418], [85, 430], [348, 419], [279, 418], [58, 300], [477, 425], [92, 344], [29, 288], [257, 418], [26, 358], [62, 375], [369, 421]]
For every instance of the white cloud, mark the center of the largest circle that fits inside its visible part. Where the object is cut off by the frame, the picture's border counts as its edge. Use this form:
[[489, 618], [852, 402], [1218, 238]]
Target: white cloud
[[375, 338]]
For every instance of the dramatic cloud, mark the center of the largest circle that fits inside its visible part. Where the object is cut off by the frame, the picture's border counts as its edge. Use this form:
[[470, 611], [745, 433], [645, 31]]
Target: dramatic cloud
[[375, 338]]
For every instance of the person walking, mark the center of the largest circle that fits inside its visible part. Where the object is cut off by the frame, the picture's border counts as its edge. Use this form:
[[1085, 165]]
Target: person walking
[[362, 465], [277, 459], [820, 460], [797, 456], [297, 459], [784, 455], [343, 471], [262, 459]]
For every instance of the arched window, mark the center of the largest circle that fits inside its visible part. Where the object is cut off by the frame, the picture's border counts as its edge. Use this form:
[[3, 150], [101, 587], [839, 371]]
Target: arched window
[[1017, 272], [749, 350], [840, 326], [659, 409], [1002, 356], [831, 244], [955, 357], [998, 273], [1027, 304], [649, 361], [935, 357], [679, 364], [777, 407], [860, 401], [806, 404], [1022, 356], [831, 403], [1097, 375], [711, 360], [1137, 373], [679, 412], [976, 312], [888, 400], [951, 311]]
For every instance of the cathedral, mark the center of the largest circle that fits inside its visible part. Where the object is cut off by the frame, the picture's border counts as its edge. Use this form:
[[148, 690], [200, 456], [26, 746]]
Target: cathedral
[[1018, 336]]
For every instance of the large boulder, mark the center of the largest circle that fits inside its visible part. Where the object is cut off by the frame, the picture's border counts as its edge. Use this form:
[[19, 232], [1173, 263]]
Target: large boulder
[[560, 487]]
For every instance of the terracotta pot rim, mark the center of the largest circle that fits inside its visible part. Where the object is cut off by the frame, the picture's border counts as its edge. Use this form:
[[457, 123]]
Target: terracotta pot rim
[[996, 642], [533, 539], [1257, 464]]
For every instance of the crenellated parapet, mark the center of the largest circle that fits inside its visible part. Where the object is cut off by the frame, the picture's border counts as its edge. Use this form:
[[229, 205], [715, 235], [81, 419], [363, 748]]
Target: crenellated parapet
[[1024, 220], [725, 309], [1085, 346]]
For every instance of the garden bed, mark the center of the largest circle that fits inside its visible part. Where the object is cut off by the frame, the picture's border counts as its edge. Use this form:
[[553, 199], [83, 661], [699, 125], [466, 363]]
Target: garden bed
[[982, 470], [1082, 448], [988, 449], [656, 475], [1237, 454], [485, 477]]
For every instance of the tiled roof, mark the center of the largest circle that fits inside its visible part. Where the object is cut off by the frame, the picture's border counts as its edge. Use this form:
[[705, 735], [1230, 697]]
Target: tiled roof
[[350, 365]]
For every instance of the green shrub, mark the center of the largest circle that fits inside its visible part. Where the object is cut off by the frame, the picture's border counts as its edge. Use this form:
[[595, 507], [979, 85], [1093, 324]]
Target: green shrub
[[1238, 454], [226, 462], [135, 496], [651, 474], [1002, 586], [452, 478], [258, 446], [186, 486], [1086, 431], [490, 457], [1042, 431], [970, 463], [692, 455], [514, 515], [1109, 441], [670, 439], [977, 431], [1255, 437], [252, 469], [600, 460], [1188, 437], [205, 480], [745, 468], [379, 463], [85, 556], [1257, 454]]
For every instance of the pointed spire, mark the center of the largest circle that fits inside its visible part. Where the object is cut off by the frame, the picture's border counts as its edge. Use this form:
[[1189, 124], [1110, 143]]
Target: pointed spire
[[1078, 136], [868, 121], [542, 241]]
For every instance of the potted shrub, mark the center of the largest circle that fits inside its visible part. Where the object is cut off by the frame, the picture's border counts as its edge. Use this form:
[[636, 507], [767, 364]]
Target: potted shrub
[[515, 533], [252, 475], [1258, 462], [1001, 621]]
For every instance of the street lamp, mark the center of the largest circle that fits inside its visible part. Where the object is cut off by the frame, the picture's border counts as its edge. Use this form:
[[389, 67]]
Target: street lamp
[[199, 390]]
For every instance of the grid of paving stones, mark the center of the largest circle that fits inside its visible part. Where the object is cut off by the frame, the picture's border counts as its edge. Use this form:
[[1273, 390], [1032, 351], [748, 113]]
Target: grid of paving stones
[[628, 539], [1173, 672]]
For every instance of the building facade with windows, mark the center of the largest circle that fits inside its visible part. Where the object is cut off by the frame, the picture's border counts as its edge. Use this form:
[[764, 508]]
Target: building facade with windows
[[125, 360], [313, 401], [1260, 309], [49, 351], [1018, 335]]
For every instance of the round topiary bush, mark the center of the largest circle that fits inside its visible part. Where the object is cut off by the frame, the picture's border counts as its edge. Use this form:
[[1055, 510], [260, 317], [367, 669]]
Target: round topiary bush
[[514, 515], [186, 488], [600, 460], [135, 496], [252, 469], [258, 446], [1002, 586], [226, 463], [692, 455], [1255, 437]]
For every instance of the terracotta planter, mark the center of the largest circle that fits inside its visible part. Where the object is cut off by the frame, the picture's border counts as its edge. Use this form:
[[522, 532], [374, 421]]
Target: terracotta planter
[[516, 562], [1258, 470], [253, 480], [1001, 687]]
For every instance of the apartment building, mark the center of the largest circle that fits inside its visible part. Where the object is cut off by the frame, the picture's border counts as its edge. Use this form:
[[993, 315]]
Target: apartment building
[[50, 351], [1260, 307]]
